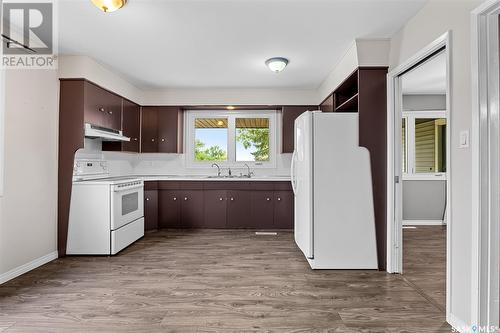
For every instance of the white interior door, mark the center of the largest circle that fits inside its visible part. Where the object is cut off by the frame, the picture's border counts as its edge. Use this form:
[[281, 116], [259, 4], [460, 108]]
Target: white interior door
[[302, 182], [398, 172]]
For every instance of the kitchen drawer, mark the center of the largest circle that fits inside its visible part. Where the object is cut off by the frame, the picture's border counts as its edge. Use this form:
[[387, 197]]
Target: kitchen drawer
[[180, 185], [262, 186], [283, 186], [150, 185], [227, 185]]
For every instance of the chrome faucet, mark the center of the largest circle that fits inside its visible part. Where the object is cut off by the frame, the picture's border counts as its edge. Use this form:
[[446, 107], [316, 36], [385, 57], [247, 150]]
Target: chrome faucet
[[249, 173], [218, 169]]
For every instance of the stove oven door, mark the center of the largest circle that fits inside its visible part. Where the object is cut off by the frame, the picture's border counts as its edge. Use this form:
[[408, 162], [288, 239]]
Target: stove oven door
[[127, 203]]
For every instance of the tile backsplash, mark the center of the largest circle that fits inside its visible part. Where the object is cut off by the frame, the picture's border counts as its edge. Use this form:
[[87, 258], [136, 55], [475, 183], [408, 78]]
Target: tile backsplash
[[165, 164]]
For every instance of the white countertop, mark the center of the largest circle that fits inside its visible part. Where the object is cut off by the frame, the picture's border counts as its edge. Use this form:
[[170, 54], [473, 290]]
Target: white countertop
[[208, 178]]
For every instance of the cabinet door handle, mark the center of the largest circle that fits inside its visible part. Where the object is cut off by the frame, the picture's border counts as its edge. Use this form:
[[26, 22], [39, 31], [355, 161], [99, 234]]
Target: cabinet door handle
[[152, 140], [268, 199], [185, 199], [147, 199], [220, 199], [135, 139], [232, 199], [279, 199], [162, 140], [110, 112], [101, 109], [175, 199]]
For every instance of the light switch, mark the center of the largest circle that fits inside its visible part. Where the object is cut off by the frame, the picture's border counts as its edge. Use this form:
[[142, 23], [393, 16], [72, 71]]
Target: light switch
[[464, 139]]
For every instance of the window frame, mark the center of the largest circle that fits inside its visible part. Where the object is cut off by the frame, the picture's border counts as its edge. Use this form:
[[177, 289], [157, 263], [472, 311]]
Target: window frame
[[190, 132], [410, 116]]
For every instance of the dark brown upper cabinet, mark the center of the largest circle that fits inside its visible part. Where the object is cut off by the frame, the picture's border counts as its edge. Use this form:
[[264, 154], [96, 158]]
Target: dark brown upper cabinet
[[346, 96], [289, 114], [131, 127], [149, 130], [131, 124], [328, 104], [101, 107], [161, 129]]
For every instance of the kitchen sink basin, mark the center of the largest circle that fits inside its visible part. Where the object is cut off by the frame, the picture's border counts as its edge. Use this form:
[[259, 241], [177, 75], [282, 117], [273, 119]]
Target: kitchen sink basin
[[228, 177]]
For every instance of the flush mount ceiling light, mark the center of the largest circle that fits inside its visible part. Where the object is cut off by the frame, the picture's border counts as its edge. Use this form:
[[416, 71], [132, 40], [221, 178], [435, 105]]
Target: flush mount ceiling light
[[277, 64], [109, 6]]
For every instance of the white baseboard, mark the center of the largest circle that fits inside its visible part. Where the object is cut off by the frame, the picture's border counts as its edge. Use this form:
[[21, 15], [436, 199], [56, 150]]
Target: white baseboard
[[13, 273], [458, 325], [423, 222]]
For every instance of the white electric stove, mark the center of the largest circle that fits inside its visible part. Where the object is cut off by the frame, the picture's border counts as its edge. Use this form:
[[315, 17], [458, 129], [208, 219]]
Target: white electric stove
[[106, 213]]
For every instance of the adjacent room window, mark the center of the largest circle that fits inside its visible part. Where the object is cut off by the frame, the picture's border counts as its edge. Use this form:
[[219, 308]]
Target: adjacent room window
[[230, 138], [424, 143]]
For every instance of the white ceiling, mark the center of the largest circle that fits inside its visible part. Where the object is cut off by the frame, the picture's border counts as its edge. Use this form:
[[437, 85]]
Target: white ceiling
[[427, 79], [224, 43]]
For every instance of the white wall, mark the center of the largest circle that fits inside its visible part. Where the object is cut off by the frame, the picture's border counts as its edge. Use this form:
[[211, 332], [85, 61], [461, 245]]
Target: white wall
[[435, 18], [424, 102], [28, 208], [230, 97], [362, 52], [86, 67], [339, 73]]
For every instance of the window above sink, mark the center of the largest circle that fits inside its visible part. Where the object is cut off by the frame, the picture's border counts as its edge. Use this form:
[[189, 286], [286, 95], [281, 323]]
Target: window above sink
[[230, 138]]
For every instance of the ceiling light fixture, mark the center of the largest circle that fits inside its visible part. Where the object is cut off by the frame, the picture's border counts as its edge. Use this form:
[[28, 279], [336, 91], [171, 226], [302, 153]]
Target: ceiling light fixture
[[109, 6], [277, 64]]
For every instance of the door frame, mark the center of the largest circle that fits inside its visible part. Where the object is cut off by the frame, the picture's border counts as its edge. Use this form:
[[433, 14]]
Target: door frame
[[485, 144], [394, 173]]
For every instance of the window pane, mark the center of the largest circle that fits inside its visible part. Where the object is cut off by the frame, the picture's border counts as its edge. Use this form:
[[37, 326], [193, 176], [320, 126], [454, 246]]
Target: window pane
[[210, 139], [403, 146], [252, 139], [430, 145]]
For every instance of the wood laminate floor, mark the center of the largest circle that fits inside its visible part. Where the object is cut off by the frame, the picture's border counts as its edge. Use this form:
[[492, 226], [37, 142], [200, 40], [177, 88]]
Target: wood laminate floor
[[424, 261], [211, 281]]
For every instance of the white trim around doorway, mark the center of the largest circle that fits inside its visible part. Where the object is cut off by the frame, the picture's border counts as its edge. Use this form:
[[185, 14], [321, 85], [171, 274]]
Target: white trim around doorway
[[394, 172], [485, 145]]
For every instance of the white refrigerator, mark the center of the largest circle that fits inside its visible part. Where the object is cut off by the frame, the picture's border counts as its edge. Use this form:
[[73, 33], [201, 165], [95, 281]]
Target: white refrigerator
[[331, 180]]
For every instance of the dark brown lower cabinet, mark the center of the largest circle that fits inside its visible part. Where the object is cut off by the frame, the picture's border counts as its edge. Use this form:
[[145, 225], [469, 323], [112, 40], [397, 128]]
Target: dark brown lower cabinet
[[283, 210], [262, 206], [150, 210], [218, 206], [215, 203], [192, 209], [239, 209], [169, 208]]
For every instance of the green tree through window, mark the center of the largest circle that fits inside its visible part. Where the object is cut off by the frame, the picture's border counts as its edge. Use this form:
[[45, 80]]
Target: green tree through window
[[256, 138], [212, 153]]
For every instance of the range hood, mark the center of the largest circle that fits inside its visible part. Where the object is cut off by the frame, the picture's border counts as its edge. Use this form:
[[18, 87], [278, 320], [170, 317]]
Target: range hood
[[106, 134]]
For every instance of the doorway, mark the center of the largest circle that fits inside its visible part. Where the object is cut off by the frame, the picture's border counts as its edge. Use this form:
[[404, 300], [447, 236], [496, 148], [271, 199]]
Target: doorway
[[419, 122], [424, 118]]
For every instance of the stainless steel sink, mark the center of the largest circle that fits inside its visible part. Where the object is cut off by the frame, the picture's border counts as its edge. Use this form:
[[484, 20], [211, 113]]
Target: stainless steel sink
[[228, 177]]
